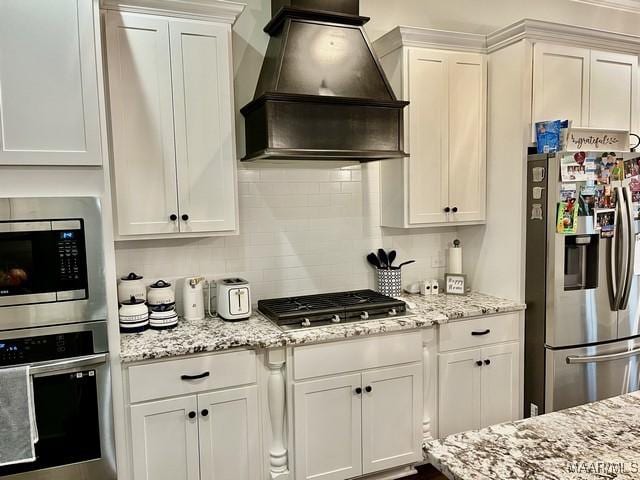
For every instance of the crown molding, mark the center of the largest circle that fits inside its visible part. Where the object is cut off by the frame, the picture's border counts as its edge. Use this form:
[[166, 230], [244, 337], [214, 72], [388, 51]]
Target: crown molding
[[216, 10], [542, 31], [405, 36], [624, 5]]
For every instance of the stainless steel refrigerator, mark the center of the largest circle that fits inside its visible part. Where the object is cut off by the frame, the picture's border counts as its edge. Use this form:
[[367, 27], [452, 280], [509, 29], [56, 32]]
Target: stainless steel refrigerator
[[582, 336]]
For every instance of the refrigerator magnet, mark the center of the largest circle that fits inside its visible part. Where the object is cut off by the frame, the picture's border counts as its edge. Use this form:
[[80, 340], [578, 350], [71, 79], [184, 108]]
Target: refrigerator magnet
[[567, 219], [604, 220]]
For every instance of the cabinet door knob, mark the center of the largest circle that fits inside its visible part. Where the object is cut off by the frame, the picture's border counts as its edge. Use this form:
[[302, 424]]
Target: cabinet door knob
[[447, 209], [368, 388], [479, 363], [358, 391], [192, 415], [185, 217], [487, 362], [454, 209], [204, 412], [173, 217]]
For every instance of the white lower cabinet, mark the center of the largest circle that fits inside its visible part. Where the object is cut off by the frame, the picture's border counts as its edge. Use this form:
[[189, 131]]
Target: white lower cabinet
[[210, 436], [361, 422], [205, 434], [478, 387], [328, 415], [165, 440]]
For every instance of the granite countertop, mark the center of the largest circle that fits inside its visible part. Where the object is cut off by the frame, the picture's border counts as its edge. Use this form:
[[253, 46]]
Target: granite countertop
[[214, 334], [599, 440]]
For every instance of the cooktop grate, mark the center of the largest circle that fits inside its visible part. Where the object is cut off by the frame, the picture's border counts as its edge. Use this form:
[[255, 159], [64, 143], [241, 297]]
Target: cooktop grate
[[315, 310]]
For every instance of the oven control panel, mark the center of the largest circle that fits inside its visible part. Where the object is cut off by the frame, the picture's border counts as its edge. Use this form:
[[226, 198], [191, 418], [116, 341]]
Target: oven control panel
[[16, 351]]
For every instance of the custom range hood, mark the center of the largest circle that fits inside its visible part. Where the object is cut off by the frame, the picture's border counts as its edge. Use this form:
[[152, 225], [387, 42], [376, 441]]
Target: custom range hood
[[321, 94]]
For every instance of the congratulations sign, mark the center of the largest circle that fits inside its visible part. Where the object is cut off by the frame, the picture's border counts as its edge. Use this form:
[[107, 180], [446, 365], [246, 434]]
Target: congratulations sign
[[596, 140]]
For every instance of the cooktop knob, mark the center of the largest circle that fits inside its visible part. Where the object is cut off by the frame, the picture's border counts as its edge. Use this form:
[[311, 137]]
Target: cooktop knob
[[365, 316], [306, 322], [392, 312], [336, 319]]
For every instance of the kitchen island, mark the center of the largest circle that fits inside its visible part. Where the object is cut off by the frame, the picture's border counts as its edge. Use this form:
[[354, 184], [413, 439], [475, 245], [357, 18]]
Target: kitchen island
[[599, 440]]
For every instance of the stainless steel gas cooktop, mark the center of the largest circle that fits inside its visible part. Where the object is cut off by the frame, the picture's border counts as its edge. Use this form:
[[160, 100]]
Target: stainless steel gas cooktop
[[330, 309]]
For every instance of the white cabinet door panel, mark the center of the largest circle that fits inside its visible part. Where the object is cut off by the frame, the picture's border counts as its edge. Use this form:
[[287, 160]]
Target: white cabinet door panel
[[49, 107], [327, 428], [204, 125], [459, 391], [164, 440], [428, 136], [613, 90], [560, 84], [229, 435], [139, 68], [467, 143], [391, 417], [500, 384]]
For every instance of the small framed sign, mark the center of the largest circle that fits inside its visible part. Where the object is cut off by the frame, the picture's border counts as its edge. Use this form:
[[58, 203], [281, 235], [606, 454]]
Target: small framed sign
[[454, 283], [580, 139]]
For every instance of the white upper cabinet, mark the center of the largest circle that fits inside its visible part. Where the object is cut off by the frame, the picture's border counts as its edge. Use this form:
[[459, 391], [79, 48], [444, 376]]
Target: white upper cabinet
[[442, 182], [171, 91], [589, 87], [205, 141], [613, 91], [144, 167], [49, 98], [561, 84]]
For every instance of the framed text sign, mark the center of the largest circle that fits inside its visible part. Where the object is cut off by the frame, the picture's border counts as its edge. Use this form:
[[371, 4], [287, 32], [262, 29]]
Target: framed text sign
[[454, 283], [596, 140]]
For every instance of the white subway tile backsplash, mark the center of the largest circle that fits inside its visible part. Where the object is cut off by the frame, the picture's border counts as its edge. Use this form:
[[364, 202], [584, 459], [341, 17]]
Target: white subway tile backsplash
[[305, 228]]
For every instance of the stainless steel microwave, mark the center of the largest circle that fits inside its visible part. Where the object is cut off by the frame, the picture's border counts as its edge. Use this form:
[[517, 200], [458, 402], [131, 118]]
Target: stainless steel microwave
[[51, 261]]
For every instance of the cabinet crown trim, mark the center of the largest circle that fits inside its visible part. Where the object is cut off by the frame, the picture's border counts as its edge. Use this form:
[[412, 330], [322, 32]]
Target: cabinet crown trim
[[216, 10], [406, 36], [538, 30]]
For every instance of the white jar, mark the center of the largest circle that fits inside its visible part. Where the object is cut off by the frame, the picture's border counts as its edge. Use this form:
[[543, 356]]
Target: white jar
[[131, 286], [161, 293]]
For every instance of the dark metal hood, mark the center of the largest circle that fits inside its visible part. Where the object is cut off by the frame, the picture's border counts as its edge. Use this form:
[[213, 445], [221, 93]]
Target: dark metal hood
[[322, 94]]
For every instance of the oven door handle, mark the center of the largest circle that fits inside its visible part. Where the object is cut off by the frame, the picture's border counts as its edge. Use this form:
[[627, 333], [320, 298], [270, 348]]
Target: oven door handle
[[572, 359], [38, 368]]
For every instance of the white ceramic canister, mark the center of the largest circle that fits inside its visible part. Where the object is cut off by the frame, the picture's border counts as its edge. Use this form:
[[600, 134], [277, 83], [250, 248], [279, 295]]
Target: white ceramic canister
[[131, 286], [161, 293]]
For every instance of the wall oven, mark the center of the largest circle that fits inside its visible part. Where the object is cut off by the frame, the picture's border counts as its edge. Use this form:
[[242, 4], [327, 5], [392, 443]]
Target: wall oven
[[51, 261], [71, 386]]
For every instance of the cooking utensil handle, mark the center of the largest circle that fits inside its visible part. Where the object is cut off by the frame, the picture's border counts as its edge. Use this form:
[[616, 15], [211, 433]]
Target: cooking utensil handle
[[195, 377], [573, 359], [630, 250]]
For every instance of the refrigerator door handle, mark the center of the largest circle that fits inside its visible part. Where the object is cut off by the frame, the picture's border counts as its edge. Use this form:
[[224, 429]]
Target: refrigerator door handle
[[630, 251], [574, 359], [620, 250]]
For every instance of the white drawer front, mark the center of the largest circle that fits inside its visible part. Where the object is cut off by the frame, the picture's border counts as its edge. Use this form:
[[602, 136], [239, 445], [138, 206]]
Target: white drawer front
[[353, 355], [479, 331], [165, 379]]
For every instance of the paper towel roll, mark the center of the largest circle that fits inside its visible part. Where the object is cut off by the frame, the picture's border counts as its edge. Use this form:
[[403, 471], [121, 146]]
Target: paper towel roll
[[454, 264]]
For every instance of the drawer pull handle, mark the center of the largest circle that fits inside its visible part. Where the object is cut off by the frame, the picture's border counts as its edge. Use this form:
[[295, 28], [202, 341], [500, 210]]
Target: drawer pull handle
[[195, 377], [484, 332]]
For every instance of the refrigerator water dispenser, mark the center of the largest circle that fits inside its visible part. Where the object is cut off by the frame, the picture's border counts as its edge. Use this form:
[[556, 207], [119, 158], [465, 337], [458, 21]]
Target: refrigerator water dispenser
[[581, 262]]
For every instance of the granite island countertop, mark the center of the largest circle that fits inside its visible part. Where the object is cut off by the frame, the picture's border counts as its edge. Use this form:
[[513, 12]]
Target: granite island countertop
[[214, 334], [599, 440]]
